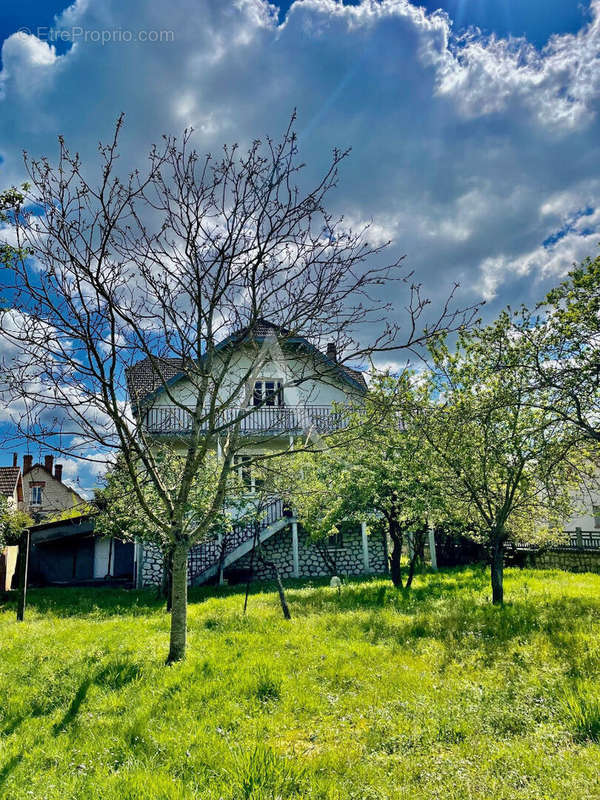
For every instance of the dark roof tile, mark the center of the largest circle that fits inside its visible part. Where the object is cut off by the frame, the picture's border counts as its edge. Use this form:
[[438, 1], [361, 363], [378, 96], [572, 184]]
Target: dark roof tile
[[9, 478]]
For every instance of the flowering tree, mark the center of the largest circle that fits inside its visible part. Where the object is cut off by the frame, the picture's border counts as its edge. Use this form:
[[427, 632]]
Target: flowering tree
[[379, 467], [507, 463]]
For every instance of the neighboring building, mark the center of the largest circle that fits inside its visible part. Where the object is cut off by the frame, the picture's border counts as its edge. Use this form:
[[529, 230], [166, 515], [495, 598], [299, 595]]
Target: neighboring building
[[68, 553], [11, 486], [299, 390], [39, 491], [44, 490], [583, 528]]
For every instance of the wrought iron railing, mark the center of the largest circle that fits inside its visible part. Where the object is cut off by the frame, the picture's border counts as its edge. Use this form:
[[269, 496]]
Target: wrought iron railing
[[214, 551], [262, 419]]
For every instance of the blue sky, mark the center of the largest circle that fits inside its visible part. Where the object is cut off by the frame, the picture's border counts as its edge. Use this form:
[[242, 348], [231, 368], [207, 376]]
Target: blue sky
[[535, 19], [478, 156]]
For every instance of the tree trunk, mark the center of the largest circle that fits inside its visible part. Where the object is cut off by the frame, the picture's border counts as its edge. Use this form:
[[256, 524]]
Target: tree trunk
[[418, 543], [282, 599], [497, 571], [178, 604], [411, 570], [166, 587], [251, 570], [396, 554], [395, 557]]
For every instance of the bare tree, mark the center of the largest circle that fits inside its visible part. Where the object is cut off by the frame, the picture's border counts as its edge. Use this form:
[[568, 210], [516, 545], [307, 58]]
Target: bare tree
[[177, 265]]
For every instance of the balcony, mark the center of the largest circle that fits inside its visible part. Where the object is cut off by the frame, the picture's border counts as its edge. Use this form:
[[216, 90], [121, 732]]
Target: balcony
[[262, 420]]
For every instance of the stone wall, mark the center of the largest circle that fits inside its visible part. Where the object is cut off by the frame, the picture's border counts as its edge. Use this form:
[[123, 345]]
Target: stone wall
[[152, 565], [570, 560], [344, 560]]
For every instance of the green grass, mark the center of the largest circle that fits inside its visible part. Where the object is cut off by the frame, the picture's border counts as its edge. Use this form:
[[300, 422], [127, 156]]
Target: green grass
[[367, 694]]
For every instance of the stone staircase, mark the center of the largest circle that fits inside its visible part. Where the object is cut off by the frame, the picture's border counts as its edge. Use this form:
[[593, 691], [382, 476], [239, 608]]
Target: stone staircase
[[208, 558]]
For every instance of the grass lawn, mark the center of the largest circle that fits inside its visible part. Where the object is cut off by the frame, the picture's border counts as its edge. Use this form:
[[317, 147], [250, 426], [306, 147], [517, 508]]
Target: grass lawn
[[367, 694]]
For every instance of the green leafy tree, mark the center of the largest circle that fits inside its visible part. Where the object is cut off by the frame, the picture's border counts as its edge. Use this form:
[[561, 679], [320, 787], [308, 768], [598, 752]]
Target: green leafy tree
[[121, 515], [379, 469], [508, 464], [561, 349], [12, 523]]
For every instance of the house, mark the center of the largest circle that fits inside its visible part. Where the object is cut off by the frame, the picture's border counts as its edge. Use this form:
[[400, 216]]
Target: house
[[44, 492], [68, 553], [11, 484], [298, 390]]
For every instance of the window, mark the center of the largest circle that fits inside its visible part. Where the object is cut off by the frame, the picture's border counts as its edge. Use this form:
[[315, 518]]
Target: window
[[596, 512], [267, 393], [36, 495], [335, 541]]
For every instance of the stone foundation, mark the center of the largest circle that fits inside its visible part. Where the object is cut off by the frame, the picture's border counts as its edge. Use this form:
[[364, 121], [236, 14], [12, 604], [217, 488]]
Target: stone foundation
[[314, 560], [569, 560]]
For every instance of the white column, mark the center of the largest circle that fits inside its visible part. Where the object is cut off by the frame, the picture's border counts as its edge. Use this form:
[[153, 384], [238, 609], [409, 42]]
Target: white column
[[220, 540], [139, 563], [295, 556], [219, 451], [432, 552], [365, 546]]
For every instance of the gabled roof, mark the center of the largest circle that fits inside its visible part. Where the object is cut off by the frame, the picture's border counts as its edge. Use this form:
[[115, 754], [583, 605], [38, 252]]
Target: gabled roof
[[54, 478], [143, 379], [9, 480]]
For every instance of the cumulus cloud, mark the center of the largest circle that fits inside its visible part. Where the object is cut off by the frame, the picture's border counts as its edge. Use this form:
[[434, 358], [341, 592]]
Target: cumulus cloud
[[559, 85], [475, 155]]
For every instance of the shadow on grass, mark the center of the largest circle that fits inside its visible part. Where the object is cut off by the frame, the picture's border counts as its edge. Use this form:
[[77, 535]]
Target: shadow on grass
[[111, 676], [10, 765], [71, 601], [452, 606]]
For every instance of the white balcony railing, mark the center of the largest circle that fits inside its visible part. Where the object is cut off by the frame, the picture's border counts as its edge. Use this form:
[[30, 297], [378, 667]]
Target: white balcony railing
[[271, 420]]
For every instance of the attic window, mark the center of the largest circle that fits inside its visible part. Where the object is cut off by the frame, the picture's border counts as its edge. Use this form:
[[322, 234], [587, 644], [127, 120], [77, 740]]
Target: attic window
[[267, 392], [36, 495]]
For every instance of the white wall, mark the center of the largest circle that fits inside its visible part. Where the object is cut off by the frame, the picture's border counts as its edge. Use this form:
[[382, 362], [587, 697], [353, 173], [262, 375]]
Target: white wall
[[271, 364], [584, 516]]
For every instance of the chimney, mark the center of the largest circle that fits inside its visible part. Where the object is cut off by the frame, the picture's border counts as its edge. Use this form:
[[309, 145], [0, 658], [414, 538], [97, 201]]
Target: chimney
[[58, 472], [27, 463], [48, 461], [15, 460], [332, 351]]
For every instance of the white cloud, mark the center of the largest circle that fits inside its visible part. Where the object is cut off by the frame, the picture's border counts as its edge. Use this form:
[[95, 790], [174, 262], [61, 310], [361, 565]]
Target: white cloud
[[469, 154]]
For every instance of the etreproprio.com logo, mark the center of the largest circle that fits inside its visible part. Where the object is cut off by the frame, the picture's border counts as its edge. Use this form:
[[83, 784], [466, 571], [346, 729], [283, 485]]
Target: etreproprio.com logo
[[97, 35]]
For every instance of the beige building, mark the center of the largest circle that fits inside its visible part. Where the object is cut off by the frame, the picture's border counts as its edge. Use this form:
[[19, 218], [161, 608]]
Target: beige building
[[44, 492]]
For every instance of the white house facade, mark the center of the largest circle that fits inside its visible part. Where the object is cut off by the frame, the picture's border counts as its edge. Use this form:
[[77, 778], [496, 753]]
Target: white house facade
[[281, 391]]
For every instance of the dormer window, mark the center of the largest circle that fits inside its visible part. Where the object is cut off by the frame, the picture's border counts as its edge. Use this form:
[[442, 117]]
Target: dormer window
[[267, 392]]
